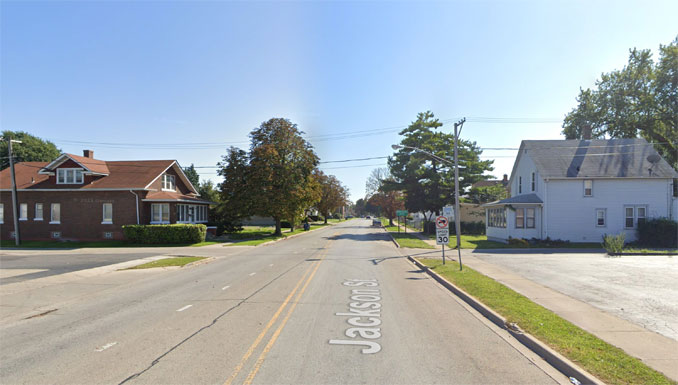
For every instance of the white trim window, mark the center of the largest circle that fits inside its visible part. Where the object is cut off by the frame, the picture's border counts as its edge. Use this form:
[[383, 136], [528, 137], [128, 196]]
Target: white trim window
[[107, 213], [588, 188], [55, 214], [168, 182], [520, 218], [38, 212], [70, 176], [534, 182], [159, 213], [634, 215], [23, 211], [191, 213], [496, 218], [529, 217], [601, 217], [2, 213]]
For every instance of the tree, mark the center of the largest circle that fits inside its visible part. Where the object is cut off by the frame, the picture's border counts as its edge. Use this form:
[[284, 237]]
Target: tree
[[333, 194], [485, 194], [235, 195], [208, 191], [388, 200], [31, 149], [360, 209], [639, 100], [192, 175], [281, 165], [427, 183]]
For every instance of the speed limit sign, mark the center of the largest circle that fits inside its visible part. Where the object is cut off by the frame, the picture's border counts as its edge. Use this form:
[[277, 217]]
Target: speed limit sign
[[442, 236]]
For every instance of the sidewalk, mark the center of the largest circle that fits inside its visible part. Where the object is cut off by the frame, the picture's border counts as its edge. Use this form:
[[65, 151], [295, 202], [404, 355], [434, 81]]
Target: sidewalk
[[657, 351]]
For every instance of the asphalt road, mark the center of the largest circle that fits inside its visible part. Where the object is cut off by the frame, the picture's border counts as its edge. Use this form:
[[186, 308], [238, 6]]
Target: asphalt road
[[336, 306]]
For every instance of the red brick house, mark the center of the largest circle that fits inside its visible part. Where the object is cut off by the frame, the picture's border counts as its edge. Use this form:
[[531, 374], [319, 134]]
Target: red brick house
[[82, 198]]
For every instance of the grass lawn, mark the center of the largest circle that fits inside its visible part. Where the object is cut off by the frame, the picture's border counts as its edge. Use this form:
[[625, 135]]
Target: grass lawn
[[252, 236], [405, 239], [99, 244], [481, 242], [650, 251], [166, 262], [608, 363]]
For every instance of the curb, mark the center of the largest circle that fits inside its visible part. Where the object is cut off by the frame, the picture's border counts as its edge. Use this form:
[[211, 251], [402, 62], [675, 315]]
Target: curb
[[287, 237], [555, 359], [397, 245]]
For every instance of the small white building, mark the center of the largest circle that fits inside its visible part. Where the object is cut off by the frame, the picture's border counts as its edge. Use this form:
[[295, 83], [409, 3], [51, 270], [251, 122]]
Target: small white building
[[579, 190]]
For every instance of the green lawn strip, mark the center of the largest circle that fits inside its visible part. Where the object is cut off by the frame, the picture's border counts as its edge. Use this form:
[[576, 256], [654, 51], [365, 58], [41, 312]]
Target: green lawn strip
[[268, 237], [480, 242], [650, 251], [405, 239], [608, 363], [166, 262], [100, 244]]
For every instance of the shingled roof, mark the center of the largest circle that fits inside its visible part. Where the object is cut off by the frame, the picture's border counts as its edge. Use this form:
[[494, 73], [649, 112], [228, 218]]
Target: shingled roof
[[596, 158]]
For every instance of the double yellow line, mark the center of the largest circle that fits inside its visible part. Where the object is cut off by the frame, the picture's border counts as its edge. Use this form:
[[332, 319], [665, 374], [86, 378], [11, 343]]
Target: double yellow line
[[308, 276]]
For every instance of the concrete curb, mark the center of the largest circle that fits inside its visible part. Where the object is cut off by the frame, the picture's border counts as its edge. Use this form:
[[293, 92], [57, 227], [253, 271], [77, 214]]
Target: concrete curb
[[391, 236], [555, 359]]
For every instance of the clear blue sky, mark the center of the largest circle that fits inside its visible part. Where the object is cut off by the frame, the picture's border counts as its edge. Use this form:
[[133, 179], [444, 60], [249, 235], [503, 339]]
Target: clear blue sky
[[156, 77]]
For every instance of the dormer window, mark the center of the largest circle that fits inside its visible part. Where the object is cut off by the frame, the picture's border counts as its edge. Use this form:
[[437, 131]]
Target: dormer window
[[168, 182], [69, 176]]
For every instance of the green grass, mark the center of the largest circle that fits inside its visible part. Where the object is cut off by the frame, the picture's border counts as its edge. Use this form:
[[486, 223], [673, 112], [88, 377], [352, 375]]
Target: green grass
[[405, 239], [257, 236], [481, 242], [98, 244], [167, 262], [608, 363], [650, 251]]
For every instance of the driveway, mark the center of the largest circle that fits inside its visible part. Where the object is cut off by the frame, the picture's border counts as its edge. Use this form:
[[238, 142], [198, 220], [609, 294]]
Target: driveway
[[639, 289]]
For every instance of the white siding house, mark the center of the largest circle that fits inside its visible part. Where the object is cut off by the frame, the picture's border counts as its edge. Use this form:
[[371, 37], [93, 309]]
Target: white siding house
[[579, 190]]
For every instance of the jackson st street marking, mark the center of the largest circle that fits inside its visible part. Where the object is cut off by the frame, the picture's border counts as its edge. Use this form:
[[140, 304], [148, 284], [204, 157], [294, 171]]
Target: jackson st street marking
[[365, 315]]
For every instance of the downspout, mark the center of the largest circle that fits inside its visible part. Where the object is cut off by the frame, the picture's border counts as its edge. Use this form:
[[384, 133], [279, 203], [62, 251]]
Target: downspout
[[137, 200], [544, 217]]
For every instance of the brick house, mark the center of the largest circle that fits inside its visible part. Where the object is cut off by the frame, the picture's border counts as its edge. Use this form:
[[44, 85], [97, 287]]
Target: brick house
[[82, 198]]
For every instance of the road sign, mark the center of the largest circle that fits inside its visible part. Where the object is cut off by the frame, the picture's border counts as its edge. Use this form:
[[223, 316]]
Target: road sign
[[448, 211], [442, 222], [401, 213], [442, 236]]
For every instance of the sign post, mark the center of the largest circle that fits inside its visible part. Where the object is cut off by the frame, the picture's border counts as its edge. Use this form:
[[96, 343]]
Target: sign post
[[402, 213], [442, 232]]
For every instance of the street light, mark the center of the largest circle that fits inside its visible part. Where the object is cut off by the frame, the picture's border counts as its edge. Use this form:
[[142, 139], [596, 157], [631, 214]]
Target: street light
[[436, 157]]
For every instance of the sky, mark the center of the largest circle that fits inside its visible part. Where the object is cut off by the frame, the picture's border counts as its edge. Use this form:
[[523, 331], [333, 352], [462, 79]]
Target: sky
[[186, 80]]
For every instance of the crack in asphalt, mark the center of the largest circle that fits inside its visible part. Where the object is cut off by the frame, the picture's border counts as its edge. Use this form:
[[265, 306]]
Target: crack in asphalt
[[214, 321]]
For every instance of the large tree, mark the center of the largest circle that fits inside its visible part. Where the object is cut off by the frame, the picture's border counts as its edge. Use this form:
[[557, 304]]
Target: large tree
[[192, 175], [641, 99], [31, 149], [281, 165], [235, 195], [388, 200], [333, 194], [427, 182]]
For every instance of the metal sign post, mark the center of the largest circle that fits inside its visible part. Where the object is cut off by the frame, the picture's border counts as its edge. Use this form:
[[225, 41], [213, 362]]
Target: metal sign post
[[442, 232]]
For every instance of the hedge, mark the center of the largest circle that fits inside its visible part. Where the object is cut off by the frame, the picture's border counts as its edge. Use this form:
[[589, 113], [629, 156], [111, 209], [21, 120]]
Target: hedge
[[160, 234], [658, 232]]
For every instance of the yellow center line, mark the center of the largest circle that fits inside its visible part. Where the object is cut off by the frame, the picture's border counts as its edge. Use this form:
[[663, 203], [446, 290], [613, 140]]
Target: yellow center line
[[275, 335], [268, 326]]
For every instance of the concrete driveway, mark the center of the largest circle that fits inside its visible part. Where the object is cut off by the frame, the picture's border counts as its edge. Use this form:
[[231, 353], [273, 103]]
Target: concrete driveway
[[639, 289]]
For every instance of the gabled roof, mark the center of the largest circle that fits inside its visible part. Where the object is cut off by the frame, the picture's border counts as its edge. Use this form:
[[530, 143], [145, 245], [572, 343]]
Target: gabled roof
[[596, 158], [95, 166]]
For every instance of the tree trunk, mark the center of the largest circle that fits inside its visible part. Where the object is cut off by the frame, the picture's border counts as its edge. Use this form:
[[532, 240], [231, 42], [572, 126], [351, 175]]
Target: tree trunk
[[325, 218], [278, 230], [390, 222]]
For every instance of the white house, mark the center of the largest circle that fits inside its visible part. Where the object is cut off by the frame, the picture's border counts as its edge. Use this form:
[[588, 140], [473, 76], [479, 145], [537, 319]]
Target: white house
[[579, 190]]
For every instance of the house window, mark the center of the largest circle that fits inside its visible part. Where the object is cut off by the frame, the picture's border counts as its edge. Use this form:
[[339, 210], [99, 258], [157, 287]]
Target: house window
[[634, 215], [496, 218], [529, 217], [69, 176], [23, 211], [160, 213], [601, 215], [588, 188], [534, 182], [191, 213], [38, 212], [107, 213], [56, 213], [55, 234], [168, 182], [520, 218], [520, 185], [640, 215], [2, 213], [108, 235]]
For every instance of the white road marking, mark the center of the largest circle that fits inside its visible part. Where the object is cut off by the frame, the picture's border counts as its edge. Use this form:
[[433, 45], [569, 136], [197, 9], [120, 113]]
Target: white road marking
[[185, 307], [108, 345], [251, 274], [225, 287]]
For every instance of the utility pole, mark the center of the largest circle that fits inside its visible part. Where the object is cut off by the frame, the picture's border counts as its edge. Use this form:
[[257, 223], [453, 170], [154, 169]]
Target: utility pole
[[457, 221], [15, 205]]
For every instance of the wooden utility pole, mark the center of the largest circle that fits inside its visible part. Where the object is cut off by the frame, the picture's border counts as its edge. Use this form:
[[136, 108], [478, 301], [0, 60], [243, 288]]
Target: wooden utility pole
[[15, 205], [457, 221]]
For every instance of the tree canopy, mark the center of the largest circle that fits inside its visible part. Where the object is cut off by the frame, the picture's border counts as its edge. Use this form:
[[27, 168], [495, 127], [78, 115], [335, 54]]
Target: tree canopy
[[641, 99], [234, 191], [333, 194], [192, 175], [31, 149], [387, 200], [427, 183]]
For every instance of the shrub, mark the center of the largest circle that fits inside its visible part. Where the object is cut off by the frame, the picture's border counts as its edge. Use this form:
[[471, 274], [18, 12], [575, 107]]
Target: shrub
[[658, 232], [518, 242], [614, 244], [285, 225], [336, 216], [159, 234], [314, 218]]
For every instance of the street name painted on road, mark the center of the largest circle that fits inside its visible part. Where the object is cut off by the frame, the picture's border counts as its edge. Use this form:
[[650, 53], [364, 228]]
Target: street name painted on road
[[365, 315]]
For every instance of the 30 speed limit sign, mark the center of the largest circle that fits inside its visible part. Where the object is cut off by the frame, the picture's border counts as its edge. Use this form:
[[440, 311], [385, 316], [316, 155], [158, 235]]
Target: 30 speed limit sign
[[442, 236]]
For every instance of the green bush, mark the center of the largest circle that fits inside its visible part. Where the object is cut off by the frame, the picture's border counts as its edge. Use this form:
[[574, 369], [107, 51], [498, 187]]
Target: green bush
[[469, 228], [614, 244], [658, 232], [518, 242], [160, 234], [285, 225]]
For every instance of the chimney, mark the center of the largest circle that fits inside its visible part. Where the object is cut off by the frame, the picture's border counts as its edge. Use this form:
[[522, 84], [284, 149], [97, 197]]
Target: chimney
[[586, 132], [88, 154], [505, 178]]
